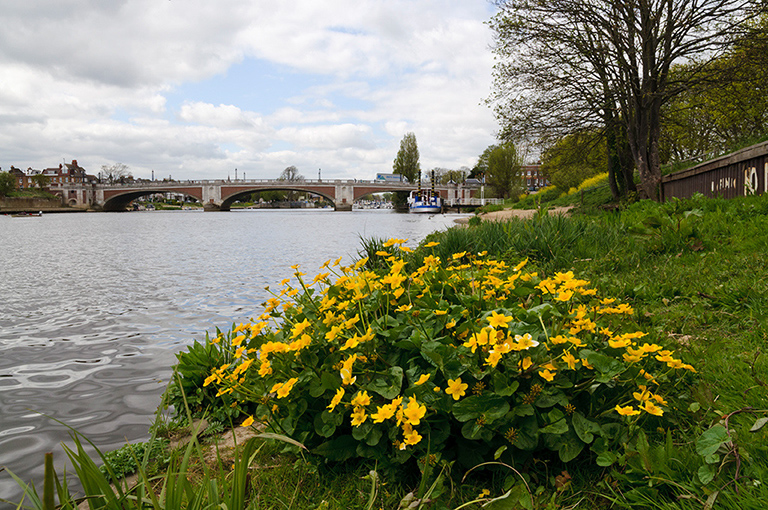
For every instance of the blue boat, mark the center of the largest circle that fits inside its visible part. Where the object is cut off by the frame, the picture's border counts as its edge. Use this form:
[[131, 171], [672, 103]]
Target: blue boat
[[425, 200]]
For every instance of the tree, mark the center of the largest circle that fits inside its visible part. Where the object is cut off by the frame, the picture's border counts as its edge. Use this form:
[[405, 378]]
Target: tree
[[572, 159], [115, 173], [41, 180], [712, 118], [7, 183], [291, 175], [407, 160], [503, 175], [569, 65]]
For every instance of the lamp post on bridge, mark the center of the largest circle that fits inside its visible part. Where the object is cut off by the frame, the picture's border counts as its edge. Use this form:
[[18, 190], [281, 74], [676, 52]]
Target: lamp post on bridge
[[318, 176]]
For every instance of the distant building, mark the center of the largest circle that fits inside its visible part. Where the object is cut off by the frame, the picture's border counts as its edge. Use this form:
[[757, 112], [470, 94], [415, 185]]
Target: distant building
[[533, 177], [22, 178], [68, 173]]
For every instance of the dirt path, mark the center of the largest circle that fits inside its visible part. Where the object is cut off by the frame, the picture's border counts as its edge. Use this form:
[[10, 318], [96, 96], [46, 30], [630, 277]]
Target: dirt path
[[515, 213]]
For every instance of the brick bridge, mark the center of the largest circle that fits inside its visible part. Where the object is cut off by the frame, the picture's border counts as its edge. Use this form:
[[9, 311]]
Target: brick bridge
[[219, 195]]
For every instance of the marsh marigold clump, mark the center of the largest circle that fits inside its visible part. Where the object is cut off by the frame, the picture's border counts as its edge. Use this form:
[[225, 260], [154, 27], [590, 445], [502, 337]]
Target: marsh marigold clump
[[436, 356]]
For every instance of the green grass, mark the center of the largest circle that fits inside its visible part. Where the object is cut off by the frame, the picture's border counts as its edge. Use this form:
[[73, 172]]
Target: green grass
[[695, 273]]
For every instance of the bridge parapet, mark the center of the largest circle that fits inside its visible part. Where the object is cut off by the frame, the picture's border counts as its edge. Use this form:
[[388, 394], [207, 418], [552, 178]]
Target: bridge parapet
[[219, 194]]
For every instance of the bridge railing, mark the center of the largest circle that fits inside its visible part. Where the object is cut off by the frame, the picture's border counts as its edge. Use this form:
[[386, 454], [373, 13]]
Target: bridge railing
[[240, 182]]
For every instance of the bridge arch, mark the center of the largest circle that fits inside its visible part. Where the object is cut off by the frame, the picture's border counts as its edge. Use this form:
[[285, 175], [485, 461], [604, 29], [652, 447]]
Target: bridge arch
[[118, 202], [230, 199]]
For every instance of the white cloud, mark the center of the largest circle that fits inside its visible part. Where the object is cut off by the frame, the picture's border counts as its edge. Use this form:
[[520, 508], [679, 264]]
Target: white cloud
[[99, 82]]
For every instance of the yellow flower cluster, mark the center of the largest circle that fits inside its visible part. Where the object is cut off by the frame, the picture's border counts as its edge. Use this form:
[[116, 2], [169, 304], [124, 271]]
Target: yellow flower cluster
[[335, 321]]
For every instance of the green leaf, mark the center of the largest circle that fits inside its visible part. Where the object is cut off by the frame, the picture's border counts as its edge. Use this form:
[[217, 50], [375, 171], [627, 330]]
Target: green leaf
[[606, 459], [760, 423], [711, 440], [607, 366], [584, 428], [570, 449], [339, 449], [557, 428], [706, 473], [502, 386], [388, 385], [324, 426], [471, 408]]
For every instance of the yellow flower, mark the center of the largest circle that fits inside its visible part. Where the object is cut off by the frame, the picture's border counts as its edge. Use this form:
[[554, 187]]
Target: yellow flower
[[383, 413], [411, 437], [238, 340], [424, 378], [493, 358], [346, 377], [547, 374], [456, 388], [414, 412], [564, 295], [404, 308], [499, 320], [239, 352], [525, 342], [651, 408], [361, 399], [441, 312], [285, 388], [526, 363], [519, 266], [247, 422], [618, 343], [265, 368], [336, 399], [358, 416], [626, 411], [299, 328], [570, 360], [431, 244]]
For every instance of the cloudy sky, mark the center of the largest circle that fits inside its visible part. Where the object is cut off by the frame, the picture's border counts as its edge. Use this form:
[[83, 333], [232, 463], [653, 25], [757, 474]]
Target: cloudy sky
[[195, 89]]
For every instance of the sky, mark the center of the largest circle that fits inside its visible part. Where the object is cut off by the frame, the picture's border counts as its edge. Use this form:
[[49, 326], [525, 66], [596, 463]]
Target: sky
[[196, 89]]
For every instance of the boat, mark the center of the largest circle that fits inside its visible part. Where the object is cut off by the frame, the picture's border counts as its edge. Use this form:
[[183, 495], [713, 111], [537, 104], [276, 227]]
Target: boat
[[26, 215], [425, 200]]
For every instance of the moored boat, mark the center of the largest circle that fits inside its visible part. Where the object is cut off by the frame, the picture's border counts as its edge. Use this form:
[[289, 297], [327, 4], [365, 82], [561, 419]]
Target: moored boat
[[425, 200]]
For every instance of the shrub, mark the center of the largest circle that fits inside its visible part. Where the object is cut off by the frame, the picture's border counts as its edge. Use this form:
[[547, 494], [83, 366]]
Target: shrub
[[466, 359]]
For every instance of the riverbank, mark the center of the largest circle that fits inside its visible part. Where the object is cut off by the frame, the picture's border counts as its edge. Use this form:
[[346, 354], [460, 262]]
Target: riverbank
[[17, 205], [507, 214]]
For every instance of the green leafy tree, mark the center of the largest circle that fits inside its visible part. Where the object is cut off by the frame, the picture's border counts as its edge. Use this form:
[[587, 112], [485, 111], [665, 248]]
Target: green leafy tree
[[574, 158], [407, 160], [7, 183], [568, 65], [503, 175], [720, 115], [41, 180]]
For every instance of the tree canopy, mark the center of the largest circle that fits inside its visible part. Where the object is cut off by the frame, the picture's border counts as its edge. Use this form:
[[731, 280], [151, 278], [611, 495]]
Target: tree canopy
[[573, 159], [407, 160], [7, 183], [569, 65], [503, 174], [115, 173]]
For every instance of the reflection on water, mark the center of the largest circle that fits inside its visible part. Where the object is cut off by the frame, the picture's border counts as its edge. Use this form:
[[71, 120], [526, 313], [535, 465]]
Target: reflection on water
[[93, 308]]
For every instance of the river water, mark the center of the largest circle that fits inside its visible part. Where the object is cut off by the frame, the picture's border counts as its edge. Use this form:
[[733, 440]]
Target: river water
[[93, 308]]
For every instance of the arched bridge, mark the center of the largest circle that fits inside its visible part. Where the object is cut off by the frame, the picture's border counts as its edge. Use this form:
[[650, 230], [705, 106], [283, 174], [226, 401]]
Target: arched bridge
[[219, 195]]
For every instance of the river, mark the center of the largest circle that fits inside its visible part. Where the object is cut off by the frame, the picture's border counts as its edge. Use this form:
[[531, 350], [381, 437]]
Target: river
[[94, 307]]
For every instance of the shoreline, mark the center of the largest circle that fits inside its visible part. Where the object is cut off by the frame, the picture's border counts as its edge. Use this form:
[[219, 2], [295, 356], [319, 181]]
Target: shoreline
[[506, 214]]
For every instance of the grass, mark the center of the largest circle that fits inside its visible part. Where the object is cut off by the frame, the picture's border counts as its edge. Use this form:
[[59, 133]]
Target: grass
[[694, 271]]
